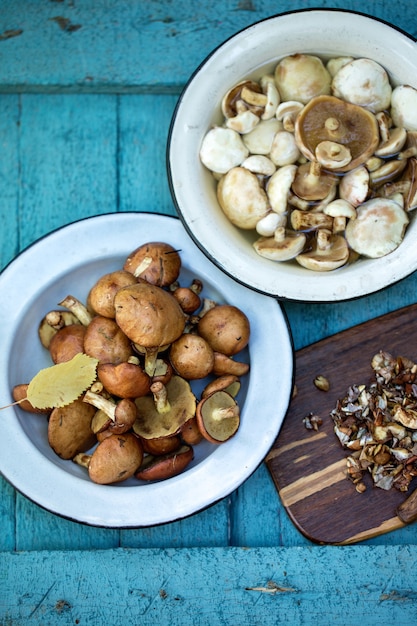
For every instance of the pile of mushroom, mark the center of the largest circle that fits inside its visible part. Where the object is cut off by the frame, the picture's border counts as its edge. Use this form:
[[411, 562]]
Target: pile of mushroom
[[318, 159], [151, 338]]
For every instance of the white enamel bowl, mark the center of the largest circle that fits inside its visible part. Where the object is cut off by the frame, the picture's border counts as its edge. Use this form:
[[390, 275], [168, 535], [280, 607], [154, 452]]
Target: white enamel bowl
[[249, 53], [68, 261]]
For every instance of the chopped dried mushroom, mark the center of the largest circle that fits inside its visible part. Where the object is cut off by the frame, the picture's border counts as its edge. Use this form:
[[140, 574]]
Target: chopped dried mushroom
[[319, 138], [377, 422]]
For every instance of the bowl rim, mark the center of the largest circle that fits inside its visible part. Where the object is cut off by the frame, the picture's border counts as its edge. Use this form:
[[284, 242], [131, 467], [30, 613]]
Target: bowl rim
[[398, 273], [91, 506]]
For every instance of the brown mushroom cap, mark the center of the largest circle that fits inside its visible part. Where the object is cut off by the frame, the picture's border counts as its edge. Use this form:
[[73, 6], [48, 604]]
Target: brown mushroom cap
[[226, 328], [101, 296], [148, 315], [124, 380], [69, 429], [312, 182], [191, 356], [105, 340], [163, 467], [327, 118], [156, 262], [115, 459], [67, 342]]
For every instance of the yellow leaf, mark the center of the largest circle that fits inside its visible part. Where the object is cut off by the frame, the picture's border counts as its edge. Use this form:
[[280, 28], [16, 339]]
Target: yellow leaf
[[63, 383]]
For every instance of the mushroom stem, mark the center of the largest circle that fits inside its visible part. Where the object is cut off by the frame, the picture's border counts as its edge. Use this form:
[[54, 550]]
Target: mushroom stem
[[82, 459], [160, 396], [151, 356], [103, 404], [323, 237], [78, 309], [226, 413]]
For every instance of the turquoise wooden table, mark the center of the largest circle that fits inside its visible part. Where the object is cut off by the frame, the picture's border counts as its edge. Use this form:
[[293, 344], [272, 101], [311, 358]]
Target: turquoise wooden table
[[87, 90]]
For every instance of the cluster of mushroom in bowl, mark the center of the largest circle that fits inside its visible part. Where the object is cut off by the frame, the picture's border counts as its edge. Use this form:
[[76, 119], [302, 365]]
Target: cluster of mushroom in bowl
[[318, 159], [150, 338]]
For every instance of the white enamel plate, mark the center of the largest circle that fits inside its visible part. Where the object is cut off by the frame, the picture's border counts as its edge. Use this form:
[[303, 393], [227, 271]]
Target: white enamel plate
[[68, 261]]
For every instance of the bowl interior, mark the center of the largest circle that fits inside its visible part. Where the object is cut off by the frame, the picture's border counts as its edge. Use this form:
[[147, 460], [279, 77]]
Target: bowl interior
[[250, 54]]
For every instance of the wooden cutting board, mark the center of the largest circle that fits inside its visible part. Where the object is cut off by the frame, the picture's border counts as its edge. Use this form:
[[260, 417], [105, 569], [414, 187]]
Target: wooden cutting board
[[309, 467]]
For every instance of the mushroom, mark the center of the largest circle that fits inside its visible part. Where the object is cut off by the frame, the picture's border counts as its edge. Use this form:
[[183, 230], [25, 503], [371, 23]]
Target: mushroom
[[190, 432], [67, 342], [226, 365], [115, 459], [122, 414], [189, 297], [388, 171], [242, 198], [165, 413], [287, 113], [404, 107], [191, 356], [310, 220], [327, 118], [279, 186], [329, 251], [243, 122], [332, 155], [52, 322], [259, 140], [166, 466], [69, 429], [77, 308], [354, 186], [245, 95], [363, 82], [335, 64], [150, 317], [301, 77], [156, 262], [124, 380], [284, 149], [226, 382], [267, 83], [222, 149], [392, 139], [282, 246], [259, 164], [161, 445], [268, 224], [312, 182], [218, 417], [105, 340], [101, 296], [378, 228], [226, 328], [340, 210], [19, 393]]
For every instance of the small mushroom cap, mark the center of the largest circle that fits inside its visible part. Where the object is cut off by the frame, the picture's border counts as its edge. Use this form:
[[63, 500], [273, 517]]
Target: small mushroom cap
[[156, 262], [312, 182], [52, 322], [354, 186], [259, 140], [166, 466], [365, 83], [224, 364], [105, 340], [284, 149], [378, 228], [149, 315], [69, 429], [19, 393], [279, 186], [227, 382], [283, 246], [327, 118], [150, 424], [191, 356], [101, 296], [218, 417], [404, 107], [328, 252], [301, 77], [242, 198], [67, 342], [124, 380], [115, 459], [226, 328], [222, 149]]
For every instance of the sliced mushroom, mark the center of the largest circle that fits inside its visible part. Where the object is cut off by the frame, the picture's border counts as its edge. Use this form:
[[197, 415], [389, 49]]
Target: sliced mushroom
[[327, 118], [363, 82], [378, 228], [283, 246], [328, 252], [301, 77], [242, 198]]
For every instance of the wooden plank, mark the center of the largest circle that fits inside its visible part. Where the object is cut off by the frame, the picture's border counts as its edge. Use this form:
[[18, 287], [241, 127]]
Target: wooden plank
[[211, 586], [68, 161], [134, 47], [143, 131], [9, 177], [309, 467]]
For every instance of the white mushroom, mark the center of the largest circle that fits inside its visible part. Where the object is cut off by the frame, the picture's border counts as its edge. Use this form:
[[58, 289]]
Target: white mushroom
[[269, 88], [340, 208], [259, 140], [378, 228], [354, 186], [259, 164], [287, 112], [334, 65], [242, 198], [279, 186], [404, 107], [363, 82], [222, 149], [243, 122], [301, 77], [332, 155], [284, 149], [282, 246], [328, 252], [267, 225], [393, 139]]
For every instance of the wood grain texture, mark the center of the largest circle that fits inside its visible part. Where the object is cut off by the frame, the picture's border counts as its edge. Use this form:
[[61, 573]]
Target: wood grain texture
[[309, 467], [211, 587], [135, 47]]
